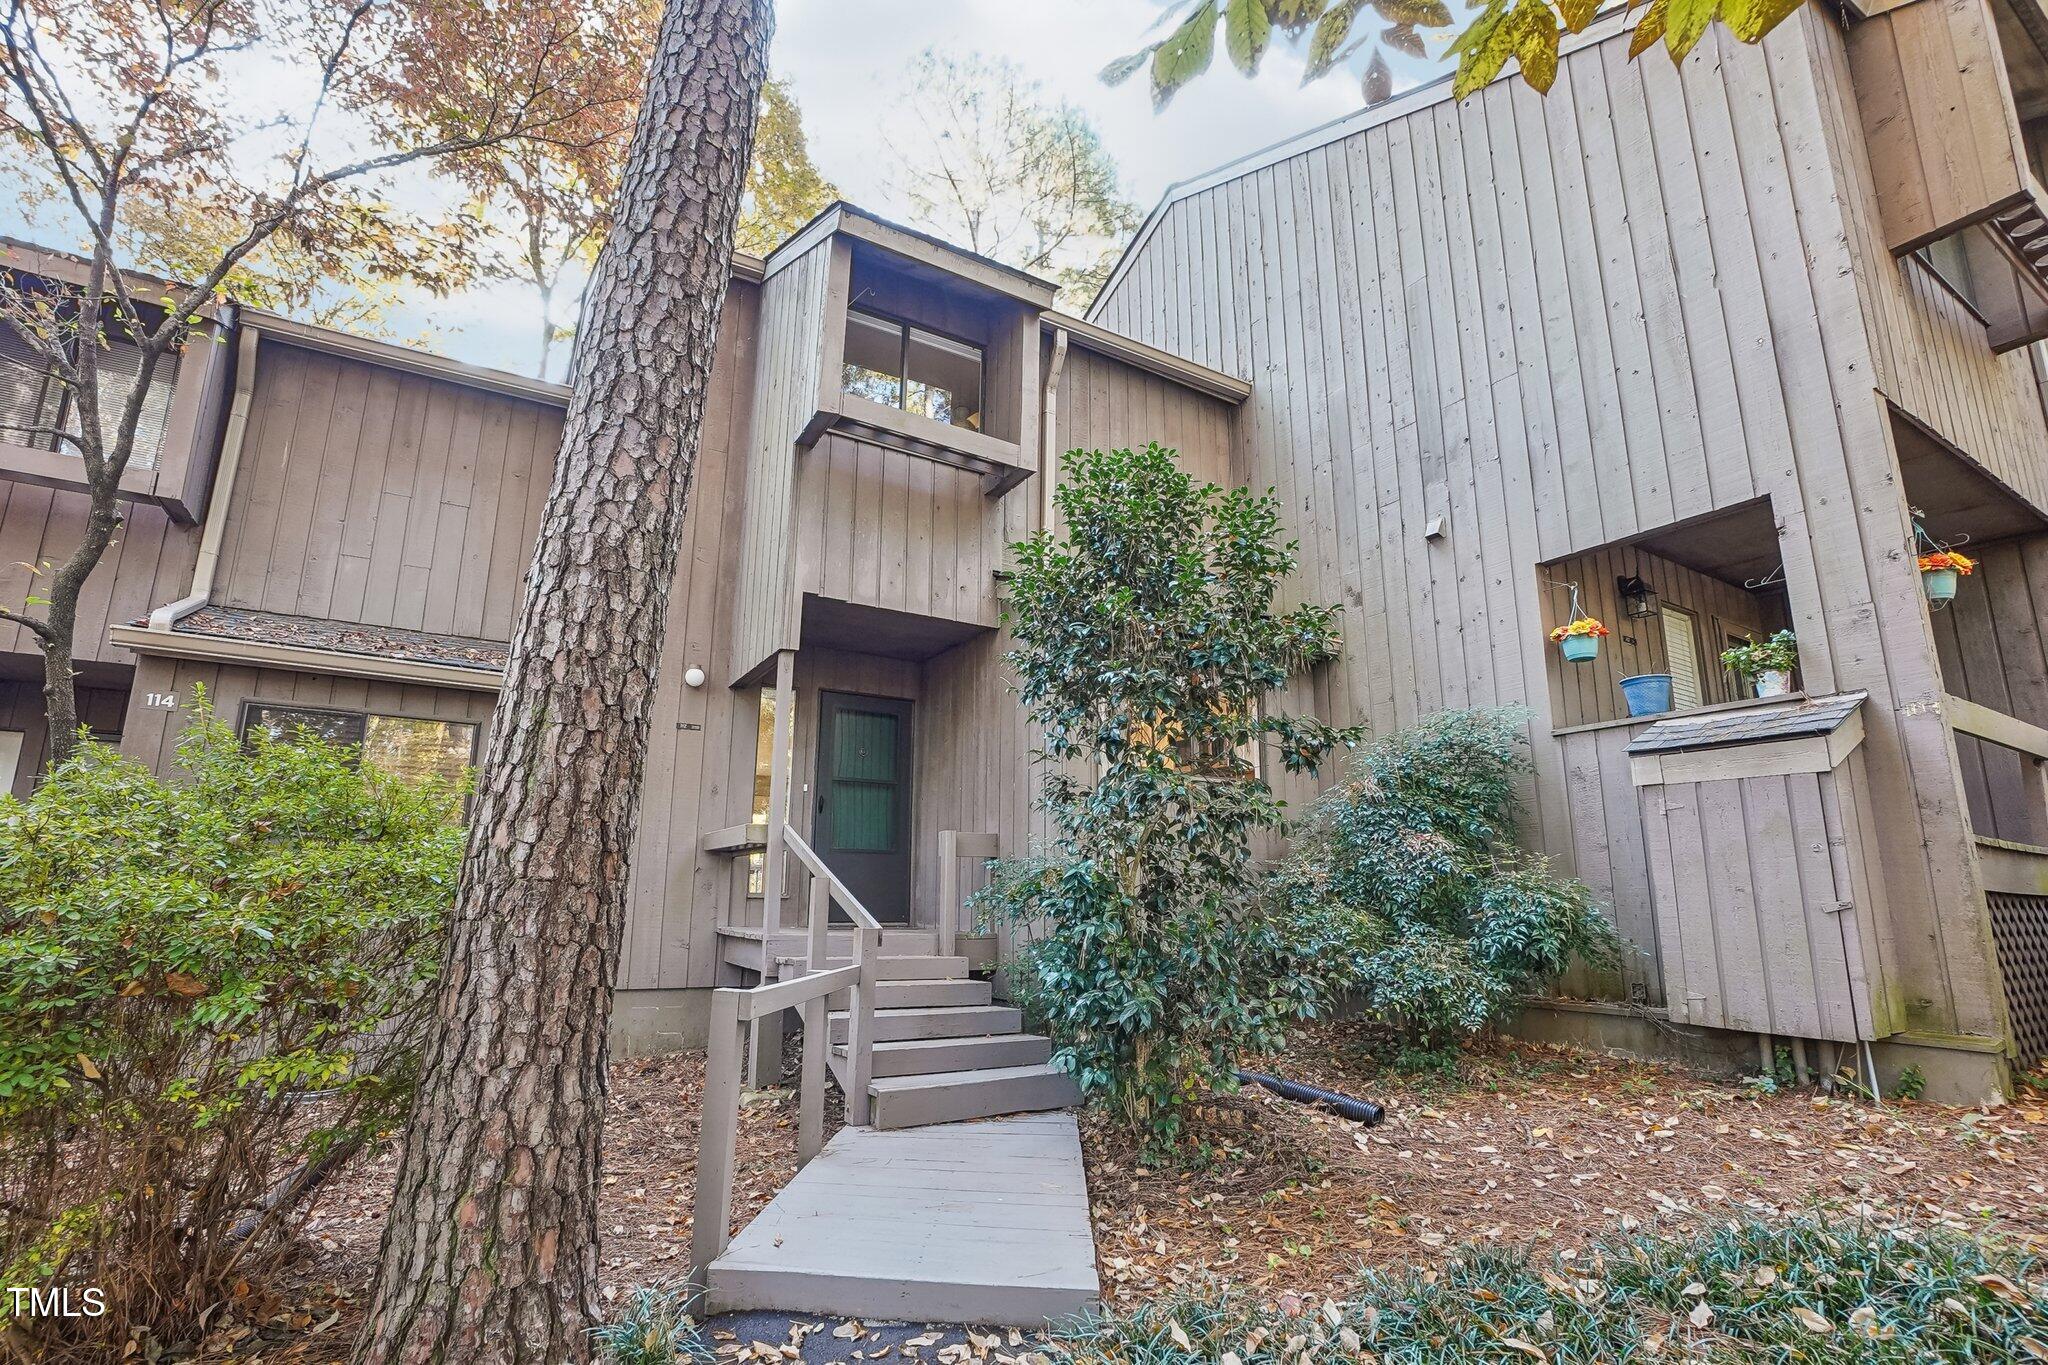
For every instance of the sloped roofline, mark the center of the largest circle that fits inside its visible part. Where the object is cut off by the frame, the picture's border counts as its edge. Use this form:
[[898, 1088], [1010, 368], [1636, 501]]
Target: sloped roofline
[[1615, 20]]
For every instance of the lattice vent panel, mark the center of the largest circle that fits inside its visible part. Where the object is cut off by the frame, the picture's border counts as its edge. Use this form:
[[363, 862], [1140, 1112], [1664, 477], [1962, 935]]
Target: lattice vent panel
[[2019, 926]]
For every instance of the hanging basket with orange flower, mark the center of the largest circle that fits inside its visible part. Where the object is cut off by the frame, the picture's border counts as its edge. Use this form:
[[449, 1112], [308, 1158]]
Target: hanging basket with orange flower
[[1579, 640], [1941, 570]]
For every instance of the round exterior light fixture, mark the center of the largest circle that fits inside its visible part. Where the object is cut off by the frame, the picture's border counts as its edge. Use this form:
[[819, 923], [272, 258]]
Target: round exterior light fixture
[[694, 676]]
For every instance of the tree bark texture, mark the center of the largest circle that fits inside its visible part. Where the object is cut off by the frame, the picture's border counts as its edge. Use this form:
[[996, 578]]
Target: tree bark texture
[[490, 1253]]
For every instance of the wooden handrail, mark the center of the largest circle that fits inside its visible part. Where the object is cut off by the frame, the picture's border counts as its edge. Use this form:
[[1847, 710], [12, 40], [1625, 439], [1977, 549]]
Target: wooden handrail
[[735, 1012], [848, 902], [1995, 727]]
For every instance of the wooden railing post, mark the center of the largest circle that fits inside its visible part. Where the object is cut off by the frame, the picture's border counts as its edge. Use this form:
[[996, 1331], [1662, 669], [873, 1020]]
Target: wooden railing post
[[717, 1131], [810, 1122], [949, 891], [779, 776], [860, 1023]]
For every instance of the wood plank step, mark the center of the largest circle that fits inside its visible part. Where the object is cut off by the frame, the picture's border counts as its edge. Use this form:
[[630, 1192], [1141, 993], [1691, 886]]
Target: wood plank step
[[955, 1096], [923, 1056], [906, 995], [945, 1021]]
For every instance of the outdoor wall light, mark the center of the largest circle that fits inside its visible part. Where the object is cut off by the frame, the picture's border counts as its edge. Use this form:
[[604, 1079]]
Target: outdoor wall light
[[694, 676], [1638, 599]]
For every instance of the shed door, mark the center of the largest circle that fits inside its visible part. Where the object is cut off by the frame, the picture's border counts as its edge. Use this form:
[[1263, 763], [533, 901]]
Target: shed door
[[863, 825]]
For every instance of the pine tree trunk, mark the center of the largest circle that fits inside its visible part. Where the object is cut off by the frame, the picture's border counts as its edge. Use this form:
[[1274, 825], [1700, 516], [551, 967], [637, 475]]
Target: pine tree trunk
[[490, 1253]]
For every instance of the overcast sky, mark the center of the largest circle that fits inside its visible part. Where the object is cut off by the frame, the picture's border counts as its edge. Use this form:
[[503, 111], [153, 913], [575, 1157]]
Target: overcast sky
[[844, 59]]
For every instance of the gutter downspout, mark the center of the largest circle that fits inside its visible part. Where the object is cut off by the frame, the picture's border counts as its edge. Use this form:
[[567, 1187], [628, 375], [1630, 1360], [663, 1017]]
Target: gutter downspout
[[1049, 444], [211, 535]]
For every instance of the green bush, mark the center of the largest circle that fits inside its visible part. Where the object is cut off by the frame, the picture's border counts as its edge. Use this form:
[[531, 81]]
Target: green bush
[[1146, 646], [1801, 1291], [653, 1327], [1449, 923], [211, 990]]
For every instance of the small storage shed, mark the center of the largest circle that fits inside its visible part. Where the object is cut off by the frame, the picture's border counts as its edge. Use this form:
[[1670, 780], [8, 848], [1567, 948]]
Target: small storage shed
[[1767, 888]]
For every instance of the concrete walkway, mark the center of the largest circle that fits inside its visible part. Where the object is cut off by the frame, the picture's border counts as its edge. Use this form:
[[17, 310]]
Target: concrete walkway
[[959, 1222]]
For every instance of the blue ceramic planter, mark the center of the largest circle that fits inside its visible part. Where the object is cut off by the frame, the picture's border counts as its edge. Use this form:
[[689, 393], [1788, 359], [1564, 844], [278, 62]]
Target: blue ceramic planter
[[1580, 649], [1939, 584], [1647, 694]]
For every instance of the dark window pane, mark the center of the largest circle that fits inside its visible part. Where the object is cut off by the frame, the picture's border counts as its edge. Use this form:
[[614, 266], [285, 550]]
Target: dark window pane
[[943, 379], [415, 750], [293, 722], [120, 363], [874, 359]]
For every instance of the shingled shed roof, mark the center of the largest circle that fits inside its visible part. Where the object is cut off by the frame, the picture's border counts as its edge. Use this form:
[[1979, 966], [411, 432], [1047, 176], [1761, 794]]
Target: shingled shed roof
[[345, 637], [1749, 725]]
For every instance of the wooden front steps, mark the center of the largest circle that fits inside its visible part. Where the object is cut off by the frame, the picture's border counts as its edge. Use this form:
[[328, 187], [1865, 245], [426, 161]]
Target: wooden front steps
[[945, 1052]]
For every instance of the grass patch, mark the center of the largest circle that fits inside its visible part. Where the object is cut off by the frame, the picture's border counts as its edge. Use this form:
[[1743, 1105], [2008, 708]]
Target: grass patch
[[1804, 1290]]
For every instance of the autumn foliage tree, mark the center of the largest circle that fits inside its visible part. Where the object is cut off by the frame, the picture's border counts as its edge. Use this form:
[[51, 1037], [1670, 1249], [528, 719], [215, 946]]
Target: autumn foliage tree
[[784, 188], [283, 123], [1357, 34]]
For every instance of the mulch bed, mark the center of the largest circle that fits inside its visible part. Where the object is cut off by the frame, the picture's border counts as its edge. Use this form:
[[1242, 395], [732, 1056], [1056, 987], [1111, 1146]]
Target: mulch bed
[[1522, 1145], [1530, 1145]]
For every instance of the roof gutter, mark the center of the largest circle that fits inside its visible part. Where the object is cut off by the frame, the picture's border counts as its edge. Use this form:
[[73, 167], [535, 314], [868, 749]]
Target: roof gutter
[[215, 530]]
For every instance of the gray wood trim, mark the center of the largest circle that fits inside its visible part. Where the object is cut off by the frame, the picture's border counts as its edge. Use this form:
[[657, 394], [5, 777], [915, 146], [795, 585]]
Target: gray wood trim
[[1140, 356], [254, 654], [1734, 762], [390, 356]]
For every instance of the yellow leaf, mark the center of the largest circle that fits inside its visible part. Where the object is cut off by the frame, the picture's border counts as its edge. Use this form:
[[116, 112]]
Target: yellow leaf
[[1685, 21], [1647, 34], [92, 1073], [1578, 13], [178, 983], [1750, 20], [2034, 1347]]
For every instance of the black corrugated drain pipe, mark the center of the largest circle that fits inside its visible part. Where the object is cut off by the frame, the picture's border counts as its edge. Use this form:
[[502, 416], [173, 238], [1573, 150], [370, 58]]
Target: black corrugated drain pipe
[[1360, 1111]]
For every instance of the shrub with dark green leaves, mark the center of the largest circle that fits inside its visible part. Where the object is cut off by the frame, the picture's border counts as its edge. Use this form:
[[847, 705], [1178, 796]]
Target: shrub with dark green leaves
[[1147, 643], [211, 990], [1452, 923], [1804, 1290]]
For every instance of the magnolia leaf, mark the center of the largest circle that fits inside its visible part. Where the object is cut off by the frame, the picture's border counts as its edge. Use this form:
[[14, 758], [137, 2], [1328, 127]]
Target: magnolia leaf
[[1379, 78], [2034, 1347], [1328, 40], [1247, 28], [1684, 22], [1123, 68], [1999, 1287], [1650, 30], [1174, 1329], [1402, 38], [1185, 54], [1536, 39], [1420, 13], [1702, 1313], [1578, 13], [1527, 1348]]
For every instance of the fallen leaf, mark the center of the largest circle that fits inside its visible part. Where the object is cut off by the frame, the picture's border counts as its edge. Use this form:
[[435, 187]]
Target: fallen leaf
[[1812, 1321], [1702, 1313]]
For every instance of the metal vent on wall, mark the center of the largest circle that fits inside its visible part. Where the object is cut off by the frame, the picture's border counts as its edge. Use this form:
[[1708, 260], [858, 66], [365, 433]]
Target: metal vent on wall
[[2019, 928]]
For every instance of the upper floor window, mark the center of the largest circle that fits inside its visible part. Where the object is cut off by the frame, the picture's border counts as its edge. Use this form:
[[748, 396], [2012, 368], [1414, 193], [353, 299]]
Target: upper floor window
[[901, 366], [35, 404], [406, 747], [1948, 258]]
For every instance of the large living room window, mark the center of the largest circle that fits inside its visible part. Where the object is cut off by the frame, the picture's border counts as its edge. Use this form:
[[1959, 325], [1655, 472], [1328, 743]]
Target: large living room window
[[407, 747], [35, 404], [899, 365]]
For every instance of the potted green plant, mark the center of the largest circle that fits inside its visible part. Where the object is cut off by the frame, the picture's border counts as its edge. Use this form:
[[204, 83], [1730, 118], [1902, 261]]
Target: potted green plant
[[1579, 639], [1768, 664]]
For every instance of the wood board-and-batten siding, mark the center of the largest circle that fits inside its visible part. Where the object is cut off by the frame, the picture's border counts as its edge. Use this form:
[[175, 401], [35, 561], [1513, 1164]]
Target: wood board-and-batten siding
[[1518, 314], [149, 563], [1991, 640], [371, 494], [783, 396]]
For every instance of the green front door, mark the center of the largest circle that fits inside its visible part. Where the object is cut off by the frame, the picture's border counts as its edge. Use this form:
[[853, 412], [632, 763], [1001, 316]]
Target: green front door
[[863, 810]]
